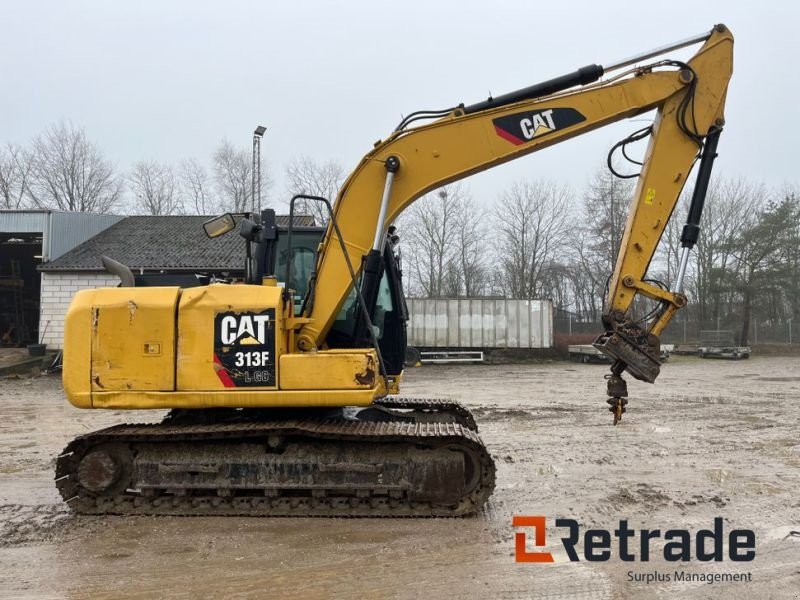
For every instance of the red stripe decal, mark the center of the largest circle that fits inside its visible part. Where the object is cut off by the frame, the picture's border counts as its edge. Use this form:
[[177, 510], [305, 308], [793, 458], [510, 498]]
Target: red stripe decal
[[507, 136], [222, 373]]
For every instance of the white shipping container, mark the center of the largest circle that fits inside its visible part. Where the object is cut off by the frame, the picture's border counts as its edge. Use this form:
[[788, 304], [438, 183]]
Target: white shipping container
[[479, 323]]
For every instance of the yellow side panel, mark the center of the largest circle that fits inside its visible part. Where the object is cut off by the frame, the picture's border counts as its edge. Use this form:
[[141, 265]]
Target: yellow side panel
[[78, 349], [218, 331], [329, 370], [133, 339]]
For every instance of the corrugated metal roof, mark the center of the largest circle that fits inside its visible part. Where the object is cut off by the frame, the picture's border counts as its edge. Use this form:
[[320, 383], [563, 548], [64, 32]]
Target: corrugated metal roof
[[23, 221], [162, 243], [61, 231], [68, 229]]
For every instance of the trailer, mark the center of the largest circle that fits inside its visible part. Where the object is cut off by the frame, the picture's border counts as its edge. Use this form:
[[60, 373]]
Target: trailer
[[721, 344], [685, 349], [586, 353], [479, 323]]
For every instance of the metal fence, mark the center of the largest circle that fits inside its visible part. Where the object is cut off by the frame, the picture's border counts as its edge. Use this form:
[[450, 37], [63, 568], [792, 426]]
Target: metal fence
[[683, 329]]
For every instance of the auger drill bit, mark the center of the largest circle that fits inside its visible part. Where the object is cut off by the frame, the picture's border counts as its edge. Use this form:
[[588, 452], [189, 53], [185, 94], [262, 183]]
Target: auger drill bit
[[618, 390]]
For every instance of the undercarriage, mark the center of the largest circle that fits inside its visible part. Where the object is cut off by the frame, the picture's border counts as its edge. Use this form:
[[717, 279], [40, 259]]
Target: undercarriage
[[397, 458]]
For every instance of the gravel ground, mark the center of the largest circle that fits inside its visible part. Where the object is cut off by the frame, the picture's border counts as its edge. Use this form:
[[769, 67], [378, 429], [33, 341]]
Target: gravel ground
[[710, 439]]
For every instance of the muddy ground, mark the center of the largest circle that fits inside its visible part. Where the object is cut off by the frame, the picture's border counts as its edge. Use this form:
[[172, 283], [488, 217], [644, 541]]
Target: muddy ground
[[711, 438]]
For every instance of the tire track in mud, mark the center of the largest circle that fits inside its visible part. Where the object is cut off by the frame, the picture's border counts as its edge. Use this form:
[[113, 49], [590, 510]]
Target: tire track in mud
[[23, 525]]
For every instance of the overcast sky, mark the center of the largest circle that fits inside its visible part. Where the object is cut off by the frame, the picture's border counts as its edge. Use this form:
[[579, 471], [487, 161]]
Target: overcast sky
[[167, 80]]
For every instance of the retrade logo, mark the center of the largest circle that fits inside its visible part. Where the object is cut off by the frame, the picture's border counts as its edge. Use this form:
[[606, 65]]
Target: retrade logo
[[633, 545], [520, 540]]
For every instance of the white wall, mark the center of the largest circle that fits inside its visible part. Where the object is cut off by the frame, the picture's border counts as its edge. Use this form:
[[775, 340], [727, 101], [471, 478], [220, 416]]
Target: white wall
[[57, 292]]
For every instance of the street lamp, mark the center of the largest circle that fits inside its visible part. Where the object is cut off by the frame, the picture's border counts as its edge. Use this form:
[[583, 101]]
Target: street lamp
[[256, 192]]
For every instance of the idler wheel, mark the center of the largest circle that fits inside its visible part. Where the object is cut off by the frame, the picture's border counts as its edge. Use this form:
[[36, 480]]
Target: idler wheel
[[102, 469]]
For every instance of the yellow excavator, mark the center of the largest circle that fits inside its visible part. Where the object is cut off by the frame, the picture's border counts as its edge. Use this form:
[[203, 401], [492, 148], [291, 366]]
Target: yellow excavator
[[282, 391]]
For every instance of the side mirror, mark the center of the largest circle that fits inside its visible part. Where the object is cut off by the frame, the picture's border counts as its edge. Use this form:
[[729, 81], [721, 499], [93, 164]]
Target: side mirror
[[219, 225]]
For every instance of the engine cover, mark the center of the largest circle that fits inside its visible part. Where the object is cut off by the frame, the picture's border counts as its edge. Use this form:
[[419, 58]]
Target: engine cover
[[210, 346]]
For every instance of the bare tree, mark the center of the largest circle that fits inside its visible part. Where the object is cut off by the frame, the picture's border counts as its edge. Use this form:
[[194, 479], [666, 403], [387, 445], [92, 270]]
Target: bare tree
[[533, 228], [68, 172], [790, 255], [556, 281], [746, 262], [195, 187], [757, 253], [473, 252], [594, 245], [154, 189], [15, 169], [429, 233], [588, 274], [306, 176], [233, 173], [730, 207], [605, 205], [668, 253]]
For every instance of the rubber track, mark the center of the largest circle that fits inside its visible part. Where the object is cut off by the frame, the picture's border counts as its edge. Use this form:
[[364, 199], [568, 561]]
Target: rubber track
[[431, 434], [434, 405]]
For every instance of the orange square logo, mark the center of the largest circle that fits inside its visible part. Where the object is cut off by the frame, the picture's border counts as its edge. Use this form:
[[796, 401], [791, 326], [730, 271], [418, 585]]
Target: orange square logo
[[521, 553]]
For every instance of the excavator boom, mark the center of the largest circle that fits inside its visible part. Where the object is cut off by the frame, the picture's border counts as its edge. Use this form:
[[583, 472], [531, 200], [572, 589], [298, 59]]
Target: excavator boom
[[689, 100]]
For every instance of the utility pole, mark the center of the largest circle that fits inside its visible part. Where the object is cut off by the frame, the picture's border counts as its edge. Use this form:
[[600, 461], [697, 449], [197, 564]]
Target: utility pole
[[256, 191]]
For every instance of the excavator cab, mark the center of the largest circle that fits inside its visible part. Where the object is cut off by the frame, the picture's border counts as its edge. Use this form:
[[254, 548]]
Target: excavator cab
[[388, 314], [273, 247], [389, 317]]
